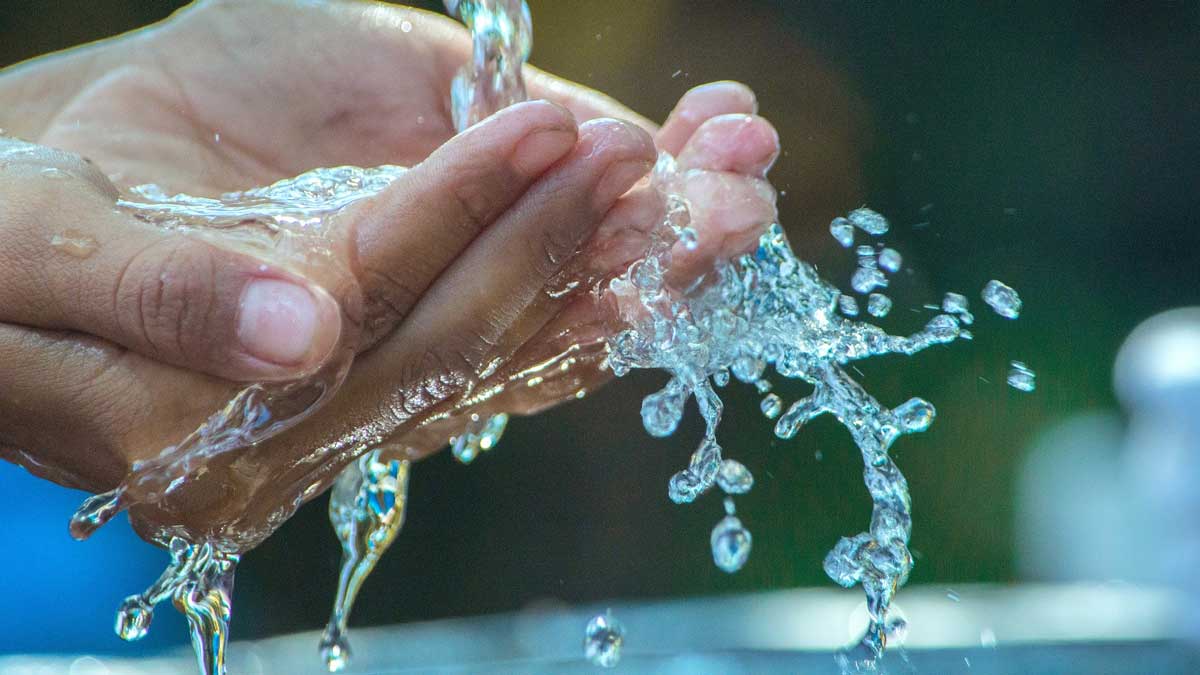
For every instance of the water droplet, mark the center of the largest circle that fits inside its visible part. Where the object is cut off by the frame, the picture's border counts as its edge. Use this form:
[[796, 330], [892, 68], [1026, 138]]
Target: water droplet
[[1002, 299], [1021, 377], [879, 305], [890, 260], [954, 303], [721, 378], [74, 243], [771, 406], [848, 305], [915, 415], [406, 26], [687, 237], [842, 231], [731, 544], [869, 221], [661, 411], [133, 618], [734, 478], [866, 280], [603, 639]]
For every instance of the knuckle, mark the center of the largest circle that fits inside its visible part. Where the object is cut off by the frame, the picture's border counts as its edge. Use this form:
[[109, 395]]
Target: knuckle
[[549, 249], [164, 295], [473, 199]]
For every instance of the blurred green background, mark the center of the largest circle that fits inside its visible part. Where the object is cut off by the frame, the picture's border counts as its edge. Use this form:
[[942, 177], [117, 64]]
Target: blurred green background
[[1052, 145]]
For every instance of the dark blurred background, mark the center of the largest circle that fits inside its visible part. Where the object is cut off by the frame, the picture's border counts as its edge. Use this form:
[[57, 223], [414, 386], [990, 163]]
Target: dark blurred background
[[1052, 145]]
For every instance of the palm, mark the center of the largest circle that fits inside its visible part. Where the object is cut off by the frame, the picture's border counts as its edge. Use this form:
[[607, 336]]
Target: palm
[[228, 121]]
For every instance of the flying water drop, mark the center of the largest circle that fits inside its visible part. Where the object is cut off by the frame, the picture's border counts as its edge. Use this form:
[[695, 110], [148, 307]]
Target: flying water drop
[[1002, 299], [1021, 377], [603, 639]]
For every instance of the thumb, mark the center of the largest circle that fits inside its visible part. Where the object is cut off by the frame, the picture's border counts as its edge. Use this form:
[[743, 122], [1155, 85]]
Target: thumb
[[70, 261]]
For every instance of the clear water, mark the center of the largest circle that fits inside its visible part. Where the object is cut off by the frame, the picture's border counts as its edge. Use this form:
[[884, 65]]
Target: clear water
[[762, 315]]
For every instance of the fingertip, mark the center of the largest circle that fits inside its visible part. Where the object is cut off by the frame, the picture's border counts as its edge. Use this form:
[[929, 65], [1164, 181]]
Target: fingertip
[[746, 144], [625, 152], [700, 104]]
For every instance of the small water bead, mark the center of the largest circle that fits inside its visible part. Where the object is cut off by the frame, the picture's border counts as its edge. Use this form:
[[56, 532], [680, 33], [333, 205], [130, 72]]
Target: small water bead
[[335, 654], [133, 618], [848, 305], [762, 386], [771, 406], [842, 231], [1021, 377], [869, 221], [734, 478], [890, 260], [687, 237], [1002, 299], [731, 543], [867, 279], [74, 243], [878, 305], [603, 639]]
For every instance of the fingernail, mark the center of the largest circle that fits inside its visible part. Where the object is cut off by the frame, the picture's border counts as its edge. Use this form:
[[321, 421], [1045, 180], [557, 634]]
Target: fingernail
[[540, 149], [617, 180], [278, 321]]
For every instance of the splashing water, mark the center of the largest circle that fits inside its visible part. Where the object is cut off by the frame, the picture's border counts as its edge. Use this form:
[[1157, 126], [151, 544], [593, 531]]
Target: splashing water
[[760, 313], [603, 639]]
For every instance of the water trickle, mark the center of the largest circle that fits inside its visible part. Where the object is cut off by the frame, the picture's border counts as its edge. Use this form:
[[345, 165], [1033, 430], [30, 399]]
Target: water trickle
[[1002, 299], [366, 508], [74, 243], [1021, 377], [603, 639]]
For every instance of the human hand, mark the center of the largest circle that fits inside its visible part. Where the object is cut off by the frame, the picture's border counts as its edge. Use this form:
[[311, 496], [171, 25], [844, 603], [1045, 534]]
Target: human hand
[[123, 415]]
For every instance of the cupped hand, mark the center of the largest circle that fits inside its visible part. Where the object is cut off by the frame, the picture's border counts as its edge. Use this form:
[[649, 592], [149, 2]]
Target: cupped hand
[[113, 355]]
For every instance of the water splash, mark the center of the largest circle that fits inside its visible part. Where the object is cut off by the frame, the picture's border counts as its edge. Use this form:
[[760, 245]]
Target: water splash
[[603, 639], [199, 580], [366, 507]]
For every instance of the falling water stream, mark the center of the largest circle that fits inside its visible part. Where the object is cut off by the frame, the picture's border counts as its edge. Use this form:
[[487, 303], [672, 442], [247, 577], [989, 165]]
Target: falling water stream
[[756, 318]]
